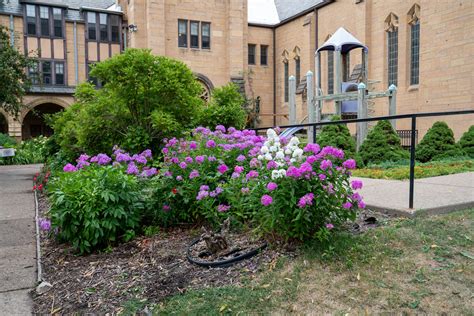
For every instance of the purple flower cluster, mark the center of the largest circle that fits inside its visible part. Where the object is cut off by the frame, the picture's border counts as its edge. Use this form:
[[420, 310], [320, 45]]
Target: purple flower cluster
[[306, 200]]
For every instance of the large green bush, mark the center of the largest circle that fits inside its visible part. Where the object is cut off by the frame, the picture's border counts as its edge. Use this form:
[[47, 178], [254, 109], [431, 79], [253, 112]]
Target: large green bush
[[95, 206], [467, 142], [337, 136], [438, 143], [226, 108], [144, 99], [382, 144]]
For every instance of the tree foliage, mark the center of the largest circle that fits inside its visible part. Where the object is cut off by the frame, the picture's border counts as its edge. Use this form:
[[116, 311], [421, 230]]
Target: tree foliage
[[14, 81], [438, 143], [382, 144], [144, 99], [226, 108], [467, 142]]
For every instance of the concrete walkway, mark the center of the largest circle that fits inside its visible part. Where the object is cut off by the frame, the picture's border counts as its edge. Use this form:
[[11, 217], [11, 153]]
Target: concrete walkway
[[17, 239], [432, 195]]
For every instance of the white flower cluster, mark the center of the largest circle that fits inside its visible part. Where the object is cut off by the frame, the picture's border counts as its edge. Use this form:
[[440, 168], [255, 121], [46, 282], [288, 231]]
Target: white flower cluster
[[273, 150]]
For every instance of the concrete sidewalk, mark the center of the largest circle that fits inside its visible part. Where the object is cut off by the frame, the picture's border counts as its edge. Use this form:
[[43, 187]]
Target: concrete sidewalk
[[17, 239], [432, 195]]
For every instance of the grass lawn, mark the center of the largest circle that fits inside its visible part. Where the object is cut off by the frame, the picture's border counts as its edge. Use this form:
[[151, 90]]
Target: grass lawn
[[421, 265], [422, 170]]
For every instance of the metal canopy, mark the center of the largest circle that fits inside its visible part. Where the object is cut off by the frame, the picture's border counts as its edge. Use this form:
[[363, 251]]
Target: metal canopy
[[343, 41]]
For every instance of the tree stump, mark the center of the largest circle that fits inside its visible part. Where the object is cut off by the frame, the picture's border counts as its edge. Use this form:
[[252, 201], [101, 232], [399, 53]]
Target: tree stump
[[216, 242]]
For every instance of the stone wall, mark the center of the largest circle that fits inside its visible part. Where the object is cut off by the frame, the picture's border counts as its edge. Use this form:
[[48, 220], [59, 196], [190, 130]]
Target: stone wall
[[259, 77]]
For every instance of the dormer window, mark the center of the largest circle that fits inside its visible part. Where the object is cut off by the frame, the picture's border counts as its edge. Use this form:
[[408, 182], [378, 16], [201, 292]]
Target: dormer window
[[103, 27], [38, 21]]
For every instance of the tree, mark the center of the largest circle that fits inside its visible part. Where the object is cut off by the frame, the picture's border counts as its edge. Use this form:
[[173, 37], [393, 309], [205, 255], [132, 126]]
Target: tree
[[382, 144], [438, 143], [144, 99], [14, 81]]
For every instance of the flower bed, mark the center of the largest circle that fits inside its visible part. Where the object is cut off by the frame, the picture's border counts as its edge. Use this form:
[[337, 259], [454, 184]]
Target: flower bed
[[271, 182], [268, 182]]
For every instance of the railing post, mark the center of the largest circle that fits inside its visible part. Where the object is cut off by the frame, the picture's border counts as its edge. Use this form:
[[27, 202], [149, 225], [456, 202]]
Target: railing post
[[412, 162], [311, 105], [392, 104], [292, 100], [361, 114]]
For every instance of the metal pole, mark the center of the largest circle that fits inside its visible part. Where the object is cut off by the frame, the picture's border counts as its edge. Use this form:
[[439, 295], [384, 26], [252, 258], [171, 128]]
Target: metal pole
[[310, 104], [361, 114], [412, 161], [338, 77], [292, 100], [392, 104]]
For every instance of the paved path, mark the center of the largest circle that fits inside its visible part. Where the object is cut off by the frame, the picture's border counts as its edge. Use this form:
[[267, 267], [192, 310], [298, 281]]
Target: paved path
[[432, 195], [17, 239]]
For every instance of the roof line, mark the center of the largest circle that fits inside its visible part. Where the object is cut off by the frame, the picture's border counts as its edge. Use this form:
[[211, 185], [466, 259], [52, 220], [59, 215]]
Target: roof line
[[294, 17]]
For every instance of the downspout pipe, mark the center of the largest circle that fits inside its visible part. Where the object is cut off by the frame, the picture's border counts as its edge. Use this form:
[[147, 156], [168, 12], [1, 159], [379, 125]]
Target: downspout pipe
[[76, 62], [12, 31], [274, 77]]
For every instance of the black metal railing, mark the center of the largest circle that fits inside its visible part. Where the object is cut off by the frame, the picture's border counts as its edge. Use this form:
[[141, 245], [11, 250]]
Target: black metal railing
[[413, 134]]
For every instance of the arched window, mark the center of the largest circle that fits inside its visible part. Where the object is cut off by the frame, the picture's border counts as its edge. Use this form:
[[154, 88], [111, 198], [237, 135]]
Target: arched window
[[207, 86], [391, 27], [414, 23]]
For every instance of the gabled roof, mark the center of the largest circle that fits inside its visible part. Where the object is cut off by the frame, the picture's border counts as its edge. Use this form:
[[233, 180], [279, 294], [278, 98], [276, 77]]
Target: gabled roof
[[273, 12], [73, 6], [341, 40]]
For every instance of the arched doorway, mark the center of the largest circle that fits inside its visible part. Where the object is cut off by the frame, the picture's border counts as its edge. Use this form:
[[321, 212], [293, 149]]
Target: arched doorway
[[34, 123], [3, 124]]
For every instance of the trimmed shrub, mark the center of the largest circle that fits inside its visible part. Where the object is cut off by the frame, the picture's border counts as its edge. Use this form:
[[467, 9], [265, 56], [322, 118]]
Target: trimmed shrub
[[225, 108], [467, 142], [337, 136], [95, 207], [438, 143], [382, 144]]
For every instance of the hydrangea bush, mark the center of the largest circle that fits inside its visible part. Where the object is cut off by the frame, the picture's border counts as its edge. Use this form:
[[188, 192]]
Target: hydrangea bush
[[273, 182]]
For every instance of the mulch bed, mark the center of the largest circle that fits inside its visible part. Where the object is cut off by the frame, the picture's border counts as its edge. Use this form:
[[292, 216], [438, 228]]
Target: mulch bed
[[151, 268], [147, 268]]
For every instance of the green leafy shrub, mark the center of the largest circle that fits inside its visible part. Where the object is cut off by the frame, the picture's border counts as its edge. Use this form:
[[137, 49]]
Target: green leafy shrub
[[382, 144], [438, 143], [7, 141], [226, 108], [338, 136], [95, 206], [467, 142], [145, 99], [28, 152]]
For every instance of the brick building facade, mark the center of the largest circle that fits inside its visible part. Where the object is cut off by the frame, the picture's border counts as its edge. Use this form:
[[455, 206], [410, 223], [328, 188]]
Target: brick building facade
[[422, 46]]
